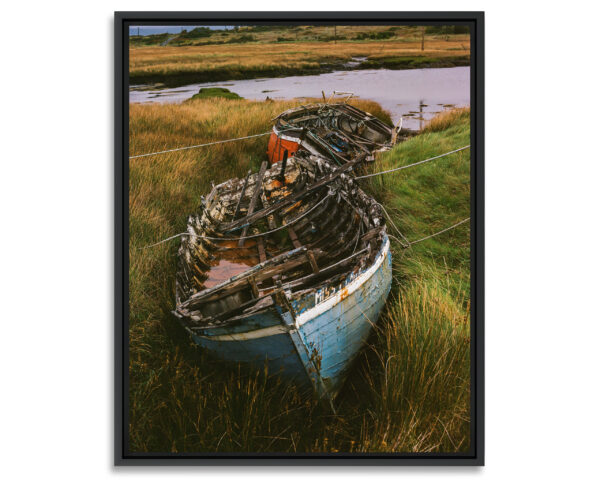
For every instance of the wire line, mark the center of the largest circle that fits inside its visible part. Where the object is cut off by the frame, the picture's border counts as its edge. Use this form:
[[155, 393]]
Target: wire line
[[413, 164], [440, 232], [201, 145]]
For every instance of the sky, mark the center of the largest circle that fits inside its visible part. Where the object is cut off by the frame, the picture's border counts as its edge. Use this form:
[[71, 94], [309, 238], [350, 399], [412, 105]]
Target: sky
[[146, 30]]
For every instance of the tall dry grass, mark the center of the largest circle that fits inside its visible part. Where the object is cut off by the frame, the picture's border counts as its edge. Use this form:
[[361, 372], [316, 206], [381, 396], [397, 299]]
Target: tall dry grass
[[421, 391], [408, 391], [223, 62], [446, 119]]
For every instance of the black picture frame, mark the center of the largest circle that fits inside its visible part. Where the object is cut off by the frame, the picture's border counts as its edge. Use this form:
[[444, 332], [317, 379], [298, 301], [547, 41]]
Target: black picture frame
[[122, 21]]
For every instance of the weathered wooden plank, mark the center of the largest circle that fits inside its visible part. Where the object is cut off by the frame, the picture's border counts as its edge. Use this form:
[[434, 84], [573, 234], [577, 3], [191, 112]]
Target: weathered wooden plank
[[254, 199], [371, 234], [293, 237], [269, 269], [237, 208], [254, 287], [313, 261], [352, 141], [240, 284], [283, 165], [270, 218], [290, 199], [227, 315], [331, 268], [262, 256]]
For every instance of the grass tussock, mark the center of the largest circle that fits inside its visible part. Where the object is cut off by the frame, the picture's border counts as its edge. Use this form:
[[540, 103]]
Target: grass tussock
[[446, 120], [421, 388], [408, 391], [217, 92]]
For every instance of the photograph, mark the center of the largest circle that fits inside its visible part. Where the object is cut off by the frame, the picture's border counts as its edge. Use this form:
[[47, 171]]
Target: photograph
[[263, 243], [298, 238]]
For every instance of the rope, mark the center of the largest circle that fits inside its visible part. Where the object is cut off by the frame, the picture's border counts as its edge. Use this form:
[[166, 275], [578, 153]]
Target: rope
[[404, 245], [437, 233], [247, 237], [201, 145], [413, 164]]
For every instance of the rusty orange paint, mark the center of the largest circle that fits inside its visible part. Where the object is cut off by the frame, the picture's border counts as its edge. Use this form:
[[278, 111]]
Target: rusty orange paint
[[292, 207], [343, 293], [273, 185], [276, 184], [277, 146]]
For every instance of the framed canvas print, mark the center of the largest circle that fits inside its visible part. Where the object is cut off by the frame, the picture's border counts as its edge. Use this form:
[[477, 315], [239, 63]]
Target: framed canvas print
[[299, 238]]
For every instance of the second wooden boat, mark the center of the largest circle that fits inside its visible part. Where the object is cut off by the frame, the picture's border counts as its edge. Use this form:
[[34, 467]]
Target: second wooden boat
[[337, 131]]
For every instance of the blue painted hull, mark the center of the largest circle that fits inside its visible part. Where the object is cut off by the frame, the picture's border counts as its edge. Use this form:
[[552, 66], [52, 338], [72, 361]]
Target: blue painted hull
[[319, 342]]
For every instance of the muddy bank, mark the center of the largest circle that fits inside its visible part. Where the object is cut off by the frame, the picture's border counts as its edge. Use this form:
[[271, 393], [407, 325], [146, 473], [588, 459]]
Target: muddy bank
[[405, 63], [178, 79]]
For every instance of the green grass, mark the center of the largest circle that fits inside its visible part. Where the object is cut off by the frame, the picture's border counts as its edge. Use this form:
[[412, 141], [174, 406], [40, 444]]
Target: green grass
[[420, 380], [409, 389], [217, 92], [148, 40], [416, 61], [428, 198]]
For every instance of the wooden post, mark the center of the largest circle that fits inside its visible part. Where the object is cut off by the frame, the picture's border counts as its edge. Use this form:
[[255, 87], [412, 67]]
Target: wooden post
[[283, 165], [270, 218], [237, 208], [255, 195], [254, 287], [422, 38], [262, 256]]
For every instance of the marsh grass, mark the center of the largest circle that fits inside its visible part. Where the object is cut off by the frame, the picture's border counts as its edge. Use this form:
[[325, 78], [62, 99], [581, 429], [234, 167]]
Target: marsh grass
[[409, 389], [189, 64], [446, 120]]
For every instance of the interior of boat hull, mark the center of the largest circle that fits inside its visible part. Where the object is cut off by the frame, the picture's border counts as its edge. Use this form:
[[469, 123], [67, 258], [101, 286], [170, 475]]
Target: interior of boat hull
[[294, 228]]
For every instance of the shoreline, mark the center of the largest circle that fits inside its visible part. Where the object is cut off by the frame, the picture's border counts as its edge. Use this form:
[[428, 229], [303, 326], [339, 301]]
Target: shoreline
[[179, 79]]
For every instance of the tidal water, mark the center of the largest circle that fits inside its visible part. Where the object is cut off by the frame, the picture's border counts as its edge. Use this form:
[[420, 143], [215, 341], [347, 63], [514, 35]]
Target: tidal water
[[415, 95]]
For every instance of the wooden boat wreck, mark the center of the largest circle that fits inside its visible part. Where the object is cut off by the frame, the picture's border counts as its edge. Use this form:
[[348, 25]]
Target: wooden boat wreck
[[337, 131], [289, 266]]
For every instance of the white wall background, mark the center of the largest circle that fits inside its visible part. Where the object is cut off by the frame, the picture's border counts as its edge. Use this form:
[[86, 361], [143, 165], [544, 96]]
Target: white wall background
[[542, 167]]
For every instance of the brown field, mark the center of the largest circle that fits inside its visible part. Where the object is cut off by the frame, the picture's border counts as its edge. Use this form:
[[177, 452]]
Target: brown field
[[262, 56]]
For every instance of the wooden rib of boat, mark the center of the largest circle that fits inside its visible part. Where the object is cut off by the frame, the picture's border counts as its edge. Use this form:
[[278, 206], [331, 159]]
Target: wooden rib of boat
[[289, 266], [337, 131]]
